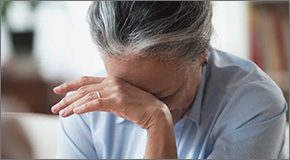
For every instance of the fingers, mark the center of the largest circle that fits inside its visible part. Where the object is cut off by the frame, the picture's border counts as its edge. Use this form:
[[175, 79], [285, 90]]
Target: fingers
[[103, 104], [67, 111], [86, 99], [63, 103], [75, 84], [81, 92]]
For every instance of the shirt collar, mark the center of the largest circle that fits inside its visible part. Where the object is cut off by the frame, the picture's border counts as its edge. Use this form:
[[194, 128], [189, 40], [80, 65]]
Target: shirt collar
[[195, 111]]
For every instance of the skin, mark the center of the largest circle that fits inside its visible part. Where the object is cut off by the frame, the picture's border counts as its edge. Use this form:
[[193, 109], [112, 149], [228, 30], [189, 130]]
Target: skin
[[153, 94]]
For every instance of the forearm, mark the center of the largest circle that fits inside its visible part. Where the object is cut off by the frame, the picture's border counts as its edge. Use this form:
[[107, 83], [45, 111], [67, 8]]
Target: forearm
[[161, 140]]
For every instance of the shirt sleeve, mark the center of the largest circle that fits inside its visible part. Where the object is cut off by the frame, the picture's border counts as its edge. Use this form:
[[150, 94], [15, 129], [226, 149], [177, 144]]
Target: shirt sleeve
[[74, 139], [256, 114]]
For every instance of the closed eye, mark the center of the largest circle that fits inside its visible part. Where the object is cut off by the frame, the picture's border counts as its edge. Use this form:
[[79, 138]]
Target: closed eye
[[164, 97]]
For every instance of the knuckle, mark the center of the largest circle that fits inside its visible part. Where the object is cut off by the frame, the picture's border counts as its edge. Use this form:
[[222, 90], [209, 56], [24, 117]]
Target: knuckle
[[111, 81], [84, 79], [91, 96], [65, 85], [82, 90], [64, 101], [98, 102], [120, 99], [118, 88], [86, 105], [114, 81], [92, 105]]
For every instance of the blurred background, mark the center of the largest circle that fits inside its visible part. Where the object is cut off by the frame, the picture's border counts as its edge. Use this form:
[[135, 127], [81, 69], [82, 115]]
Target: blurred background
[[44, 43]]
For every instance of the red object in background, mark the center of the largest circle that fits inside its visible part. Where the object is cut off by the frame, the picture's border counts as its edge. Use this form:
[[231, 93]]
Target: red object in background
[[255, 44]]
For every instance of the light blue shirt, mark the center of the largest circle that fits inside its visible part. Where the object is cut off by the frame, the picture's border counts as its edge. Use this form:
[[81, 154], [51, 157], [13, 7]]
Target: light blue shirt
[[239, 112]]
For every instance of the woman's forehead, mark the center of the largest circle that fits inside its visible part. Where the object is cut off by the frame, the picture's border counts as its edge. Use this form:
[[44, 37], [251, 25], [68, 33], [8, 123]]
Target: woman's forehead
[[148, 74]]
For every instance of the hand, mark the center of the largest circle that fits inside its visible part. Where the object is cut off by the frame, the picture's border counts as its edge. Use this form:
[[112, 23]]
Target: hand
[[117, 96], [124, 100]]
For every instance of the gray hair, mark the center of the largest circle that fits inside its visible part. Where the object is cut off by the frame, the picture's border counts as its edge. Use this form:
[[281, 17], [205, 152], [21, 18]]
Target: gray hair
[[176, 29]]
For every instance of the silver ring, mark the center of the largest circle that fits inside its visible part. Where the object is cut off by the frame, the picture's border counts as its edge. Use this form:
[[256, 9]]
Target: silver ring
[[99, 94]]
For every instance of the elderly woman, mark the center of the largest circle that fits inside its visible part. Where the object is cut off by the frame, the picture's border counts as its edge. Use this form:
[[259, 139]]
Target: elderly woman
[[167, 93]]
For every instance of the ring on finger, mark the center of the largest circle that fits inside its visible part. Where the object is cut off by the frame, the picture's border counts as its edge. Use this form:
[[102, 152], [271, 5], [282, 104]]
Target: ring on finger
[[98, 94]]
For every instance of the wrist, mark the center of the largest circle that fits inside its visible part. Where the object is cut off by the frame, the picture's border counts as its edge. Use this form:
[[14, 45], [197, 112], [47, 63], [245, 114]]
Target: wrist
[[161, 139], [161, 118], [155, 116]]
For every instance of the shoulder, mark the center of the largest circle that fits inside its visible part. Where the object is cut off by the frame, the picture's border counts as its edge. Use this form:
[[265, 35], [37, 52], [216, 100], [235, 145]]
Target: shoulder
[[248, 94], [255, 102], [228, 72]]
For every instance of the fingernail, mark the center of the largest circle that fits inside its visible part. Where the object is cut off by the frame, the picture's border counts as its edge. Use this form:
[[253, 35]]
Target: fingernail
[[55, 89], [53, 109], [62, 113]]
